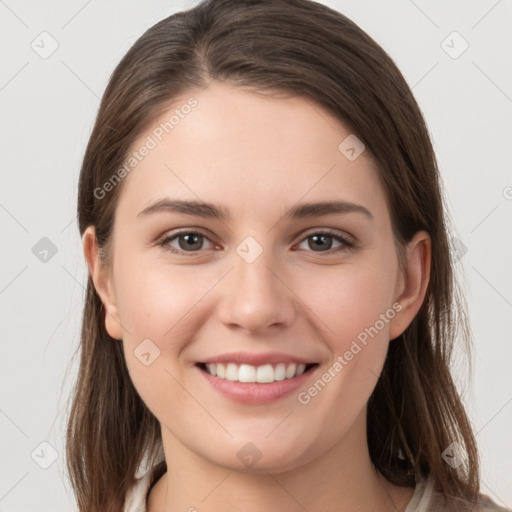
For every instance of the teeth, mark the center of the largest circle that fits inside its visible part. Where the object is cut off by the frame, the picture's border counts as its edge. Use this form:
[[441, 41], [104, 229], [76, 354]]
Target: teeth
[[232, 372], [246, 373], [280, 371], [290, 370], [220, 370], [265, 373], [262, 374]]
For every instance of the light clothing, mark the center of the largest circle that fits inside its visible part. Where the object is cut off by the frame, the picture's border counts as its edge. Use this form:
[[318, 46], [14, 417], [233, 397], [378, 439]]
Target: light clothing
[[137, 496], [424, 498]]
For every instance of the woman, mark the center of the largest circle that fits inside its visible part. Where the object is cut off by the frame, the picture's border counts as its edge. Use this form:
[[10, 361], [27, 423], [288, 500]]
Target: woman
[[271, 306]]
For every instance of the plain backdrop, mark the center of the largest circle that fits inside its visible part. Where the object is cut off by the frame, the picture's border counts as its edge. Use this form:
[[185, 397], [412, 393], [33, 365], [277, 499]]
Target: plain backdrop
[[48, 106]]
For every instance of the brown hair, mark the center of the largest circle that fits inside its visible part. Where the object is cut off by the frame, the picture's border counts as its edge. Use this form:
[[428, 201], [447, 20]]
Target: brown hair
[[305, 49]]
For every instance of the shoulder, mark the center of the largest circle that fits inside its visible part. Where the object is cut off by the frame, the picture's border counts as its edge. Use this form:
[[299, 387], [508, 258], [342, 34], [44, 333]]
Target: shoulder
[[487, 505], [426, 499]]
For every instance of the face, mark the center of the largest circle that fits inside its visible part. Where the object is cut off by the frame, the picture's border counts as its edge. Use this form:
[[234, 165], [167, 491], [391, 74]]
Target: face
[[258, 290]]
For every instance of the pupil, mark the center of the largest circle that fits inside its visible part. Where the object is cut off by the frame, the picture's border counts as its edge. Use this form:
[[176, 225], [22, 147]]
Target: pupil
[[322, 238], [191, 240]]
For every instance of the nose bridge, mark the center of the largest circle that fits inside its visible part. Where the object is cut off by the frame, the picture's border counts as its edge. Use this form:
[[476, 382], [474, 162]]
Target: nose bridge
[[256, 298], [253, 262]]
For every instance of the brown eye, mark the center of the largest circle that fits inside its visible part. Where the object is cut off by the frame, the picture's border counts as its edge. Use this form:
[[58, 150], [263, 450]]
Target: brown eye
[[322, 241], [187, 242]]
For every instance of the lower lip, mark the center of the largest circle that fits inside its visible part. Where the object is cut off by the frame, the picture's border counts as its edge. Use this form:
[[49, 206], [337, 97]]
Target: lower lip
[[254, 392]]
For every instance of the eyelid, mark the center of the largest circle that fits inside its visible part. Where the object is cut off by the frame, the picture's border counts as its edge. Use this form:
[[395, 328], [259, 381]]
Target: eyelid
[[331, 232]]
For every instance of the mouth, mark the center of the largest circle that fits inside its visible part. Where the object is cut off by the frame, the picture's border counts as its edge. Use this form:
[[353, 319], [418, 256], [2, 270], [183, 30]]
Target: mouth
[[263, 374]]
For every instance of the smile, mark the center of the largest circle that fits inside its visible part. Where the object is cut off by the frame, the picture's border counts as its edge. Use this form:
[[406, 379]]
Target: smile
[[264, 374], [256, 385]]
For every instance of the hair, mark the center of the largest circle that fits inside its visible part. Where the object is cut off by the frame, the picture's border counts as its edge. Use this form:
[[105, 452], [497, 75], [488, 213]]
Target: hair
[[304, 49]]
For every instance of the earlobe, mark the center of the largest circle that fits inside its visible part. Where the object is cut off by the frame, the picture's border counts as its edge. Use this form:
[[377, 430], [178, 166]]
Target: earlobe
[[414, 283], [102, 280]]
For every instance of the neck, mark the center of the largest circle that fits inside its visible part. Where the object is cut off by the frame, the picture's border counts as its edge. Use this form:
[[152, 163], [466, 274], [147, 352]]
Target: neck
[[342, 479]]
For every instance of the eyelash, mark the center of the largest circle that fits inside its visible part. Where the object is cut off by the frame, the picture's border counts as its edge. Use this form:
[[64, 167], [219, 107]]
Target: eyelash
[[347, 245]]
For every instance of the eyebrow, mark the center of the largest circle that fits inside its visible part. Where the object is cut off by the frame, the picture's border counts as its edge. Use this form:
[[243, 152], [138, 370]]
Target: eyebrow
[[209, 210]]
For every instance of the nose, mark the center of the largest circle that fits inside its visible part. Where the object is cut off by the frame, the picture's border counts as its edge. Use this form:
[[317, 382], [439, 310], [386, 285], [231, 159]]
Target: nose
[[257, 296]]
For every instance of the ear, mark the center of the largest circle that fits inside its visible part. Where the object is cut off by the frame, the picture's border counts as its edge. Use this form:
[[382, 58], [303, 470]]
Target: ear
[[102, 279], [412, 284]]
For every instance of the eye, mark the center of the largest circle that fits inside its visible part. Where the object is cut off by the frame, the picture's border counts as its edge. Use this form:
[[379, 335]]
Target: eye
[[188, 242], [323, 241]]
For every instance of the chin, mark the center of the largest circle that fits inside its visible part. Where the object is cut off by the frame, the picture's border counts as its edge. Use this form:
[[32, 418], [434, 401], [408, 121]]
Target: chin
[[262, 457]]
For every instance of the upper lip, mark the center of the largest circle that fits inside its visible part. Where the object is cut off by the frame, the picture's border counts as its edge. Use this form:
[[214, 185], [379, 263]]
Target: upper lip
[[257, 359]]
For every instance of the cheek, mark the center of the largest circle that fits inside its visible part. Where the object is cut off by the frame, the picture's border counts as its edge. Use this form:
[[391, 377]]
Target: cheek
[[348, 300], [354, 306], [156, 308], [155, 300]]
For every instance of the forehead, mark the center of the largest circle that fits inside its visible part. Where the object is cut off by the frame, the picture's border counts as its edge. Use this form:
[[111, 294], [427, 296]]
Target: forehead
[[250, 149]]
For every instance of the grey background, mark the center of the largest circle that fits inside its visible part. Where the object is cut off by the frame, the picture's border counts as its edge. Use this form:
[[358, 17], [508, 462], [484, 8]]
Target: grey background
[[48, 108]]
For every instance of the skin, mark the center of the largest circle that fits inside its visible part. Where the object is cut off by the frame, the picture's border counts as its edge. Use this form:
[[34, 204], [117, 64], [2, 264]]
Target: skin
[[258, 156]]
